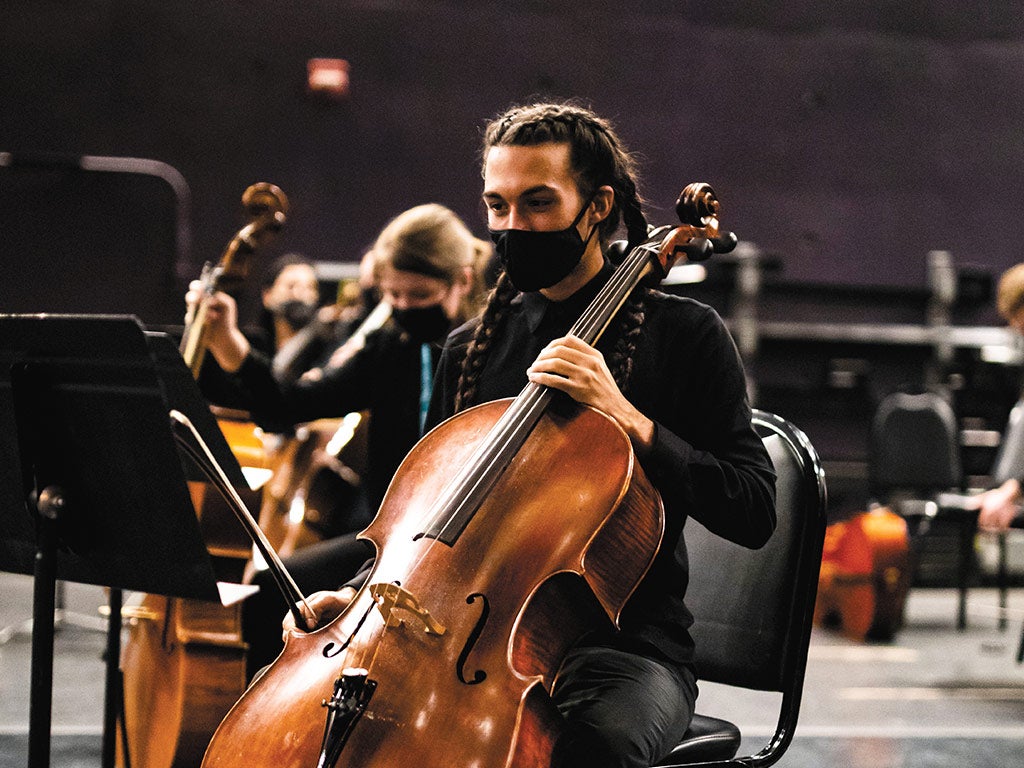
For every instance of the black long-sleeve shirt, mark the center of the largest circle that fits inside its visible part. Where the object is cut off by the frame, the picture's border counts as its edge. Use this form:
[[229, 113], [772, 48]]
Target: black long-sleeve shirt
[[383, 377], [706, 461]]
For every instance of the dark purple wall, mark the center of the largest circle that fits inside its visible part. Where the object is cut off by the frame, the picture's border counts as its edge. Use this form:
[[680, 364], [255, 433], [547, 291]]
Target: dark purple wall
[[848, 141]]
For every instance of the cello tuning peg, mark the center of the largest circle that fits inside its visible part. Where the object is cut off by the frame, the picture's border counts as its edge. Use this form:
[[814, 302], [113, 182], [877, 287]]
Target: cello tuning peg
[[725, 242]]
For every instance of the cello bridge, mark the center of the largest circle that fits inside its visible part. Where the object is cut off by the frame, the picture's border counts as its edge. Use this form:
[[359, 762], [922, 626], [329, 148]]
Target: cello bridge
[[391, 598]]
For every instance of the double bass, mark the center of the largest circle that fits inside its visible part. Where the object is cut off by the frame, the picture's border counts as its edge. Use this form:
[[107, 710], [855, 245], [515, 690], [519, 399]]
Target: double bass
[[183, 661], [489, 567]]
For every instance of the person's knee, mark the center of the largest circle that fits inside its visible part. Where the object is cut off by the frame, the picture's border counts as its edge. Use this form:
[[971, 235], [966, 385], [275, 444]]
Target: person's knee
[[582, 745]]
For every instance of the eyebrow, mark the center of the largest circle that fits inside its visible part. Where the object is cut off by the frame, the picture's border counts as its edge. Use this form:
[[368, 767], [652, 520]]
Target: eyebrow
[[529, 191]]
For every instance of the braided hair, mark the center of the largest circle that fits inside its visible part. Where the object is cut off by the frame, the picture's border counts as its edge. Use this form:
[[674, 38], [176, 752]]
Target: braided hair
[[596, 158]]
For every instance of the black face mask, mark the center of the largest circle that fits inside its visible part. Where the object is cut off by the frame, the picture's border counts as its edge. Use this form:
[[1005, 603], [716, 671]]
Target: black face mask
[[423, 324], [297, 313], [536, 260]]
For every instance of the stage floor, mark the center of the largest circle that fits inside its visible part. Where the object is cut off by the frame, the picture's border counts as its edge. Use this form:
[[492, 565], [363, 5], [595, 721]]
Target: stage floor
[[933, 698]]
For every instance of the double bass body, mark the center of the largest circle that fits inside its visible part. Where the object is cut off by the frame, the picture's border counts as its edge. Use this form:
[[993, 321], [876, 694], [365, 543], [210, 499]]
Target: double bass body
[[461, 641], [183, 662]]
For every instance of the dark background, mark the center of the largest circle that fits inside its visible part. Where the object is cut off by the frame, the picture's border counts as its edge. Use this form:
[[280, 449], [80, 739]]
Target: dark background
[[848, 139]]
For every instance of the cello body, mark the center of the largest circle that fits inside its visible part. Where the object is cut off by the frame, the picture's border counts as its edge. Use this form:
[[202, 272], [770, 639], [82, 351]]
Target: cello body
[[316, 477], [865, 575], [465, 638]]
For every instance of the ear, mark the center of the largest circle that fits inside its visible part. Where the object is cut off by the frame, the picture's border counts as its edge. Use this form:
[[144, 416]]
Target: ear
[[601, 205], [464, 278]]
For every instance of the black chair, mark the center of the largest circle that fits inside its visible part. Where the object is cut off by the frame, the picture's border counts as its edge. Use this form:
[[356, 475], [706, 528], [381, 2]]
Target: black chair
[[753, 608], [914, 465]]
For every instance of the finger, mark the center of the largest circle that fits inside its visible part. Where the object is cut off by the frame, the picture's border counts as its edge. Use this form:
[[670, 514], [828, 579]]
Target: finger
[[310, 615], [557, 366], [569, 348]]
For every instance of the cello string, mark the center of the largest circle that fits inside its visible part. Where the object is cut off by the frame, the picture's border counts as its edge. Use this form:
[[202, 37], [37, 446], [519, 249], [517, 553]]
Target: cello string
[[521, 414]]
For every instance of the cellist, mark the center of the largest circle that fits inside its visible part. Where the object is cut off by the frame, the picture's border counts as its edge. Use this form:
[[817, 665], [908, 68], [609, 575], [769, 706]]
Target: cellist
[[557, 183]]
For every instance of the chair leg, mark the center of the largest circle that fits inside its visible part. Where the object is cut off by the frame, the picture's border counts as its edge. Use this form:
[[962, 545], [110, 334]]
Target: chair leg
[[967, 526], [1001, 580]]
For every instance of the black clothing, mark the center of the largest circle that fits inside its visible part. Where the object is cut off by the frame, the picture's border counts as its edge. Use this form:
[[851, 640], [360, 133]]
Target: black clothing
[[706, 460], [606, 693], [219, 386], [383, 377]]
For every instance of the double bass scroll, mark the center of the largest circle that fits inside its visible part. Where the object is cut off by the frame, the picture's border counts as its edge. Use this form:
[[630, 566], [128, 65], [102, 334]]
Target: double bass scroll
[[267, 207]]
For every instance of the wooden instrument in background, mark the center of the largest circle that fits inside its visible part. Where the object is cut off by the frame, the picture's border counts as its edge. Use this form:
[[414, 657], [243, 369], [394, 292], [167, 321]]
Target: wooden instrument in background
[[865, 575], [183, 661]]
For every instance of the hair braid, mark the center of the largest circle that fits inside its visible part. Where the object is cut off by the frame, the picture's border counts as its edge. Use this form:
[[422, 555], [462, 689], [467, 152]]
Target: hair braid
[[480, 347], [630, 325]]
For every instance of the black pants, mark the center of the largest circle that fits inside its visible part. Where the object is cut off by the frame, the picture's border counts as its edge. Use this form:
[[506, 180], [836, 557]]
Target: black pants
[[326, 565], [621, 710]]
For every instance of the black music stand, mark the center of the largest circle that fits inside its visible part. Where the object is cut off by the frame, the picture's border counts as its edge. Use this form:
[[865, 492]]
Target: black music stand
[[92, 487]]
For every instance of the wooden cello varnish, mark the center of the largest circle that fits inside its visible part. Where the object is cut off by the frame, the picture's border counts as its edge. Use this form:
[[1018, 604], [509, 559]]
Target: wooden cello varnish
[[507, 532]]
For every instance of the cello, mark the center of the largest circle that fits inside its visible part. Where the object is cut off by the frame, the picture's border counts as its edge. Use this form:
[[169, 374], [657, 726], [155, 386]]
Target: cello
[[183, 661], [448, 652]]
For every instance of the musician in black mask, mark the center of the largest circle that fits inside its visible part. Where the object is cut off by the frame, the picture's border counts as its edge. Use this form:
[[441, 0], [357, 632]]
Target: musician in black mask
[[290, 294], [428, 267], [556, 183]]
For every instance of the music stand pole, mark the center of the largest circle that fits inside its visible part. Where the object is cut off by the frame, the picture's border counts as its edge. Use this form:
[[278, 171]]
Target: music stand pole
[[113, 691], [92, 486], [48, 507]]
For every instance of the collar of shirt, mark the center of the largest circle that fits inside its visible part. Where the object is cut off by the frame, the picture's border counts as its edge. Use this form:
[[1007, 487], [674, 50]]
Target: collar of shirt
[[538, 309]]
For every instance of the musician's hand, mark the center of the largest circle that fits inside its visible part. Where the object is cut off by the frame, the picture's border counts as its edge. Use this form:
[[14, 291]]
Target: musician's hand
[[223, 338], [998, 507], [327, 606], [579, 370]]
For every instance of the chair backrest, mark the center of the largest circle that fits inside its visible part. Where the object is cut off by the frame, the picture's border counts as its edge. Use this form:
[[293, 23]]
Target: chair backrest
[[753, 608], [914, 447], [1009, 460]]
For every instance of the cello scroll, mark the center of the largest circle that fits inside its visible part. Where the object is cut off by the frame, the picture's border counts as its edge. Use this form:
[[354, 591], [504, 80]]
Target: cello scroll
[[699, 236]]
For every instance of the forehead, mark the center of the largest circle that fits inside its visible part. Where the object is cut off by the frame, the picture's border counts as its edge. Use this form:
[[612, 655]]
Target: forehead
[[511, 170], [401, 281], [295, 273]]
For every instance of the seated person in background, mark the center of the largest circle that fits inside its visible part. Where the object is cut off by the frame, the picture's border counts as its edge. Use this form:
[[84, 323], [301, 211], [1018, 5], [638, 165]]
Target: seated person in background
[[428, 267], [999, 507], [289, 294], [317, 345]]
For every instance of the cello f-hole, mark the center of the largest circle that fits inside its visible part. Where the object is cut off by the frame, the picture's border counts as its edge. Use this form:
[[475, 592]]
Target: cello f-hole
[[330, 651], [479, 676]]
